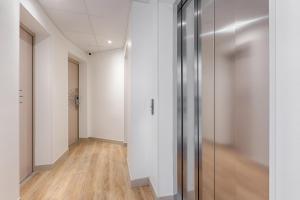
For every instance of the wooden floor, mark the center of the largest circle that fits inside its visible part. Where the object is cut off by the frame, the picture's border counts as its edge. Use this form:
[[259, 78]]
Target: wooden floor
[[92, 170]]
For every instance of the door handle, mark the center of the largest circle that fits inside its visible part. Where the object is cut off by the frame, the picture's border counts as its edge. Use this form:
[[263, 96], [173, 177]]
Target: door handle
[[77, 102], [152, 106]]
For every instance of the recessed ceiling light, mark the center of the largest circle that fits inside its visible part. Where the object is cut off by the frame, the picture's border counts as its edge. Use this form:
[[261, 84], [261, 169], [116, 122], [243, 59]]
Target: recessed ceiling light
[[109, 41]]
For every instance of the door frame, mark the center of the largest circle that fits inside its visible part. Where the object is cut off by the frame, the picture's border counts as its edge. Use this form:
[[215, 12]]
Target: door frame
[[27, 30], [179, 66]]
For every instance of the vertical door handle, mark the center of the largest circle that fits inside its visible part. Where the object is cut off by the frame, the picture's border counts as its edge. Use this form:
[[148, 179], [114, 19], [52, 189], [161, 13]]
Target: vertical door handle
[[77, 102], [152, 106], [20, 96]]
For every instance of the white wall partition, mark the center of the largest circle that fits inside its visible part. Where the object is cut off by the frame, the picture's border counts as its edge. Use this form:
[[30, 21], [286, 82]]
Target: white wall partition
[[286, 98], [9, 100], [166, 101], [106, 104], [150, 63], [127, 88], [143, 67]]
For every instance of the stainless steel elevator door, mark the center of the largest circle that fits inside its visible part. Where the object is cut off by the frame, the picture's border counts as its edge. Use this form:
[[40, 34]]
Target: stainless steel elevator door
[[223, 100], [206, 87], [189, 101], [189, 92], [241, 100]]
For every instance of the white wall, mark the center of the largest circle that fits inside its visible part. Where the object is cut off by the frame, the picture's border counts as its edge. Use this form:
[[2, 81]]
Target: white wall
[[42, 103], [59, 94], [106, 83], [166, 130], [150, 58], [51, 85], [286, 97], [143, 66], [9, 104], [127, 87]]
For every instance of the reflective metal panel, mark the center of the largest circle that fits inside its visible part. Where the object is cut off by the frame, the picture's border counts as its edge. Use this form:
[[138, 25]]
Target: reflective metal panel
[[241, 100], [206, 83], [179, 110], [190, 101]]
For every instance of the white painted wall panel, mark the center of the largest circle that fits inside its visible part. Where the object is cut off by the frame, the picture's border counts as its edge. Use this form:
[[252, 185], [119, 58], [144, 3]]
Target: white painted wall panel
[[143, 69], [287, 97], [150, 138], [166, 100], [106, 77], [42, 103], [9, 100]]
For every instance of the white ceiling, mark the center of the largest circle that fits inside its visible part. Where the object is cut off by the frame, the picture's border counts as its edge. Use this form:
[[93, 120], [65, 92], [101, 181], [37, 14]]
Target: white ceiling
[[90, 24]]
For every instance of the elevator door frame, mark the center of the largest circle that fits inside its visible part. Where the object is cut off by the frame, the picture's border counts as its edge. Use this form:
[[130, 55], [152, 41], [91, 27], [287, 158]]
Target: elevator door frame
[[180, 110]]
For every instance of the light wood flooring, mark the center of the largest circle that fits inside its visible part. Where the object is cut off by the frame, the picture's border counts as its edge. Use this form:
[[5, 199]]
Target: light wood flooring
[[92, 170]]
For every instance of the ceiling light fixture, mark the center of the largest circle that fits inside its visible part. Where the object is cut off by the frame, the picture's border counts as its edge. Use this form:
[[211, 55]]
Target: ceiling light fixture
[[109, 41]]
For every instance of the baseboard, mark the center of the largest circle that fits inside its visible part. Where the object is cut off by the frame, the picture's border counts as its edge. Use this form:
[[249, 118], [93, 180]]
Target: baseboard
[[62, 157], [74, 144], [42, 168], [50, 166], [107, 140], [27, 179], [153, 190], [146, 182], [171, 197], [139, 182]]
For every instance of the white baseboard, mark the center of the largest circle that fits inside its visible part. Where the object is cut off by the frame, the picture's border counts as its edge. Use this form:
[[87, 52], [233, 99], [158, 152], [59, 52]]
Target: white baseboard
[[50, 166], [171, 197], [146, 182], [107, 140], [140, 182]]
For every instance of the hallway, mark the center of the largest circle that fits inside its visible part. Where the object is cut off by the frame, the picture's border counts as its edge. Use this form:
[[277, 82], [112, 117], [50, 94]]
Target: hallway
[[91, 170], [149, 100]]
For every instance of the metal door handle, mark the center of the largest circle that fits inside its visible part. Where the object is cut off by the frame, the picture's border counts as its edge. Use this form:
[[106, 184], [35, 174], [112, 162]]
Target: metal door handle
[[77, 102], [152, 106]]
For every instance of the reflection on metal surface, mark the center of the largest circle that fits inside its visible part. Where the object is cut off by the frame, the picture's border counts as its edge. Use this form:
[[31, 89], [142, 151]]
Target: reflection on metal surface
[[189, 93], [179, 111], [188, 131], [241, 100], [233, 100], [206, 63], [236, 25]]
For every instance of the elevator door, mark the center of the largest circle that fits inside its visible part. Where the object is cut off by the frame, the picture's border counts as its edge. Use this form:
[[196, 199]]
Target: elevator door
[[241, 100], [188, 99], [73, 102], [26, 130], [223, 100]]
